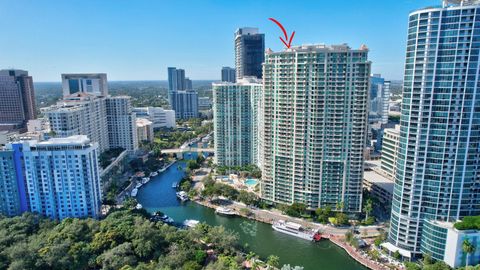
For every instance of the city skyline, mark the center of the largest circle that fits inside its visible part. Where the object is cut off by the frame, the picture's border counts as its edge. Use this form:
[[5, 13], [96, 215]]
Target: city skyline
[[146, 52]]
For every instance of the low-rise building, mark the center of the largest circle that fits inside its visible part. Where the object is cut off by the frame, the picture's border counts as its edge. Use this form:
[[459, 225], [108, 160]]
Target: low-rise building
[[160, 117], [378, 183]]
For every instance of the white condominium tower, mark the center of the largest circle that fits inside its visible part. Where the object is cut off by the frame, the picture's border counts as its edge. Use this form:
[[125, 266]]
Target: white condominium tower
[[235, 121], [315, 124], [437, 174], [122, 123]]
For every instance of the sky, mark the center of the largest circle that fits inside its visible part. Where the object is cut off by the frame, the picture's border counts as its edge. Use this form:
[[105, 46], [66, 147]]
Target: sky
[[138, 40]]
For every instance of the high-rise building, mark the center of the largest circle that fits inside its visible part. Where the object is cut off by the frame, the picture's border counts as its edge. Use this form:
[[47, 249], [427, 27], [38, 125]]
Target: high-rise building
[[82, 114], [390, 141], [437, 176], [121, 123], [235, 121], [228, 74], [160, 117], [188, 84], [58, 178], [17, 99], [90, 83], [314, 126], [185, 104], [379, 98], [249, 52], [12, 192]]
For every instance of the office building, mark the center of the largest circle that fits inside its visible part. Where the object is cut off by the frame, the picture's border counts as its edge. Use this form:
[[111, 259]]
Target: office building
[[94, 84], [235, 121], [176, 81], [185, 104], [160, 117], [438, 159], [379, 99], [188, 84], [391, 138], [249, 52], [17, 100], [228, 74], [58, 178], [144, 130], [121, 123], [314, 126]]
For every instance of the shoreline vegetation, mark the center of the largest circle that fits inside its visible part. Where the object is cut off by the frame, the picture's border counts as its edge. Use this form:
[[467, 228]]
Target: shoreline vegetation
[[125, 239]]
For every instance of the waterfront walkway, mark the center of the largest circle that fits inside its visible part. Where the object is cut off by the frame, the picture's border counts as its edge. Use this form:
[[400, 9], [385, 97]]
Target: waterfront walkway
[[356, 255]]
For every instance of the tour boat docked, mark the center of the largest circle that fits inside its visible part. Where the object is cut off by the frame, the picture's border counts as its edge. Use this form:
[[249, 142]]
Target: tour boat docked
[[295, 229], [134, 192], [190, 223], [182, 195], [225, 211]]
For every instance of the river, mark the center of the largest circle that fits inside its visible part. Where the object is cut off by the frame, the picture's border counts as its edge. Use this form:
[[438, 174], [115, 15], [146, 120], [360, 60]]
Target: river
[[259, 237]]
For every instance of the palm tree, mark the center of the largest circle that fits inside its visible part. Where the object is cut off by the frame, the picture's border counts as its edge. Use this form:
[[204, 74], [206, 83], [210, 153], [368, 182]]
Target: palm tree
[[273, 261], [368, 208], [468, 248]]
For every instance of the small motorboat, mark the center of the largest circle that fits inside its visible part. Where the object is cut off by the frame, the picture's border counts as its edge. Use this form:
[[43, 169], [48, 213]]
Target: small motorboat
[[225, 211], [134, 192], [183, 196], [190, 223]]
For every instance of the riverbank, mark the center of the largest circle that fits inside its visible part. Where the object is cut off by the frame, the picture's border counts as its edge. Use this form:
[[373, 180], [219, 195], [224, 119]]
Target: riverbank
[[337, 237]]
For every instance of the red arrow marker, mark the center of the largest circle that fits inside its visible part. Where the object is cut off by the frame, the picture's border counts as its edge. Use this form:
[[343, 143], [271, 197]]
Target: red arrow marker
[[284, 33]]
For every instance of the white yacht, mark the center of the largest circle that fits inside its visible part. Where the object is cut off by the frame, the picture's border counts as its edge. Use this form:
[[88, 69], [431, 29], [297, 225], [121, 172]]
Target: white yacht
[[153, 174], [190, 223], [145, 180], [225, 211], [295, 229], [182, 195], [139, 185], [134, 192]]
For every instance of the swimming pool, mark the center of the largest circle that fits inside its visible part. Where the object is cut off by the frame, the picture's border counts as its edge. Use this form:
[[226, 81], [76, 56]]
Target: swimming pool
[[251, 182]]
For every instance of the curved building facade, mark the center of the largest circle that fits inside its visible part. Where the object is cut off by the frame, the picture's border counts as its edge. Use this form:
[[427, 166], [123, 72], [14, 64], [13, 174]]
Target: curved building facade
[[437, 174]]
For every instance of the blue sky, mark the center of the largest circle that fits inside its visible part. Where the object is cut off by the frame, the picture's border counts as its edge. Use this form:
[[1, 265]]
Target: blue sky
[[138, 40]]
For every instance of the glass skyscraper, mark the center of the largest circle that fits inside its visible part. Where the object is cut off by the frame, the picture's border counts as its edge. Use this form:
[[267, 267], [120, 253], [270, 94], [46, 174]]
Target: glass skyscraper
[[249, 52], [437, 175], [314, 126]]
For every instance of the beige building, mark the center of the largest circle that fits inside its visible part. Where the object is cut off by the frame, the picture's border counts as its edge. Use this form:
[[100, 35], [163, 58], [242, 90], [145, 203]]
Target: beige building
[[144, 130]]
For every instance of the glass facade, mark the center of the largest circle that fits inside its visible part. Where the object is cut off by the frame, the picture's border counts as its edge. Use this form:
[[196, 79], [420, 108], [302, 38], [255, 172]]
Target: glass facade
[[438, 159]]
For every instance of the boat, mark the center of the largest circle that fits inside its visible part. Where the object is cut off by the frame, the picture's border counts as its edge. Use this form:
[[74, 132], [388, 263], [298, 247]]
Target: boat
[[139, 206], [166, 219], [296, 229], [139, 185], [145, 180], [190, 223], [225, 211], [182, 195], [153, 174], [134, 192], [175, 185]]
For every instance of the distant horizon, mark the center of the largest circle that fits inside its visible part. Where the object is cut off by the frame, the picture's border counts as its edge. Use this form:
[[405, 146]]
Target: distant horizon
[[132, 40]]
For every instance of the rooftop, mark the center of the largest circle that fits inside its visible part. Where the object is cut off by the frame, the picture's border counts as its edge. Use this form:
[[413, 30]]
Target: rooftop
[[320, 47], [243, 81], [76, 139], [379, 180]]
